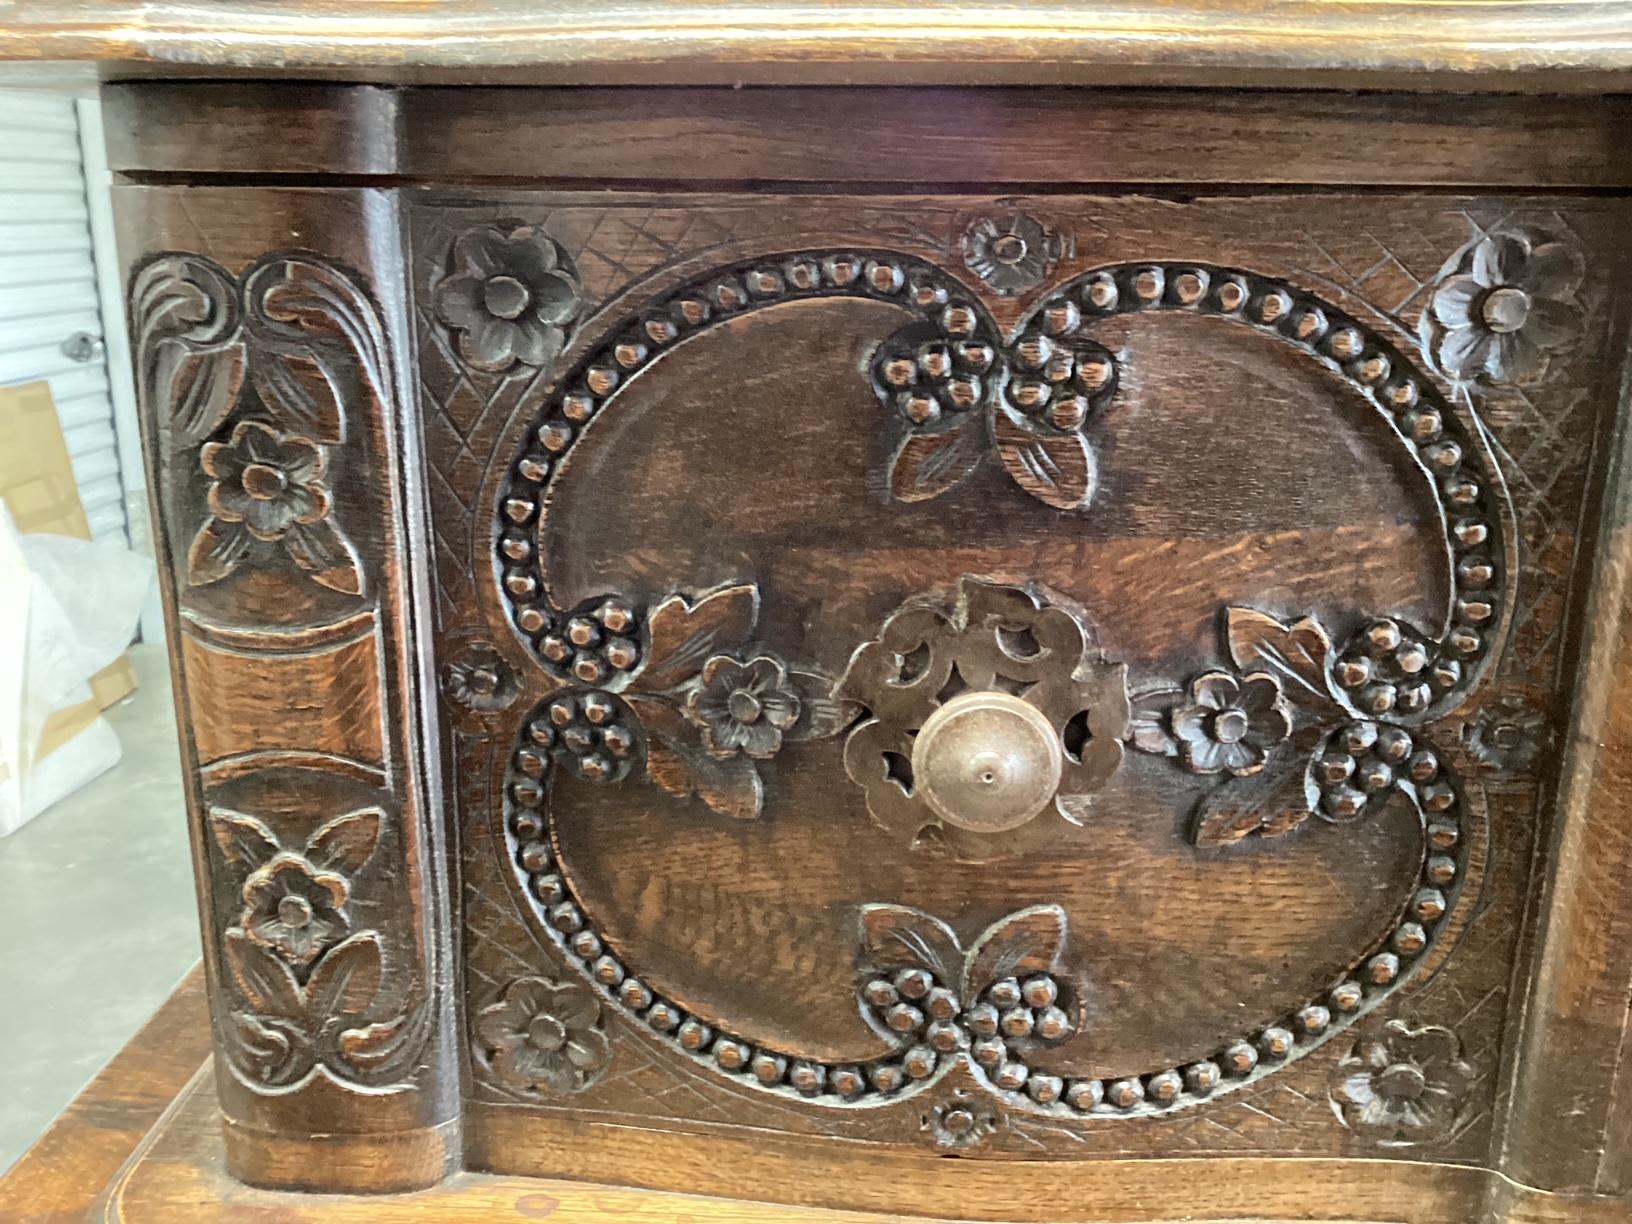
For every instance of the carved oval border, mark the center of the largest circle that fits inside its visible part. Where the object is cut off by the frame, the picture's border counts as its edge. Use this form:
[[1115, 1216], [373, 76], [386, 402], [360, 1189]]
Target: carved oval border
[[1475, 515], [1419, 939]]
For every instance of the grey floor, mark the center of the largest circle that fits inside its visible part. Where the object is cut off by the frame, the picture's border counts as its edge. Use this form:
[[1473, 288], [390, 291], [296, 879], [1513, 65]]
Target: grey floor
[[97, 894]]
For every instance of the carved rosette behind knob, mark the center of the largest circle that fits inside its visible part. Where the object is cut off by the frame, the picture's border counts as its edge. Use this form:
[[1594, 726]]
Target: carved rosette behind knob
[[991, 721]]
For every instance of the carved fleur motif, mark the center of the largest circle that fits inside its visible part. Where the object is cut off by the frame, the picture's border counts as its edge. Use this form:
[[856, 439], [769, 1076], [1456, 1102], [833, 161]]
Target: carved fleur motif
[[696, 700], [544, 1037], [1229, 724], [1011, 252], [509, 298], [1403, 1086], [994, 639], [1502, 306], [1239, 725], [993, 1004], [270, 487]]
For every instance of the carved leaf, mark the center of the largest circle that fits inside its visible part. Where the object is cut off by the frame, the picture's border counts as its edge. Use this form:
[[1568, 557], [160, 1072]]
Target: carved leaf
[[1267, 804], [1148, 728], [1056, 469], [388, 1045], [323, 552], [899, 937], [677, 762], [218, 549], [926, 465], [185, 314], [1296, 653], [346, 979], [683, 635], [243, 838], [345, 843], [265, 981], [821, 713], [1027, 941], [299, 392], [271, 1046]]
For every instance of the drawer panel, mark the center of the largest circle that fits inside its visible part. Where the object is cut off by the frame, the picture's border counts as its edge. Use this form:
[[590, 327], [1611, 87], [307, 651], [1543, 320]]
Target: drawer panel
[[1036, 677]]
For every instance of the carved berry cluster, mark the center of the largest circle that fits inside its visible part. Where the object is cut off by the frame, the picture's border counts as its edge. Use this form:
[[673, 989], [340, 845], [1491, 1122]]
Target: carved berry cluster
[[1057, 377], [592, 733], [597, 643], [1390, 667]]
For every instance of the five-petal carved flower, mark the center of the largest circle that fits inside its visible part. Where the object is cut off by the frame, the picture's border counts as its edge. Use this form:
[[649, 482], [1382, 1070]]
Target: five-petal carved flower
[[1010, 253], [1404, 1086], [743, 707], [294, 908], [510, 298], [1230, 723], [1504, 306], [545, 1036], [271, 487]]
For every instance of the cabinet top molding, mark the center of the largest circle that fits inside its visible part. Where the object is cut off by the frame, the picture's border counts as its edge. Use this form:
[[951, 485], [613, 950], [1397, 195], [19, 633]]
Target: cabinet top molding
[[1574, 45]]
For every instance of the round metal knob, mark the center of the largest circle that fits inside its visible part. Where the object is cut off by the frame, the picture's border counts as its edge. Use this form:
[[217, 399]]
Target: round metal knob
[[987, 761]]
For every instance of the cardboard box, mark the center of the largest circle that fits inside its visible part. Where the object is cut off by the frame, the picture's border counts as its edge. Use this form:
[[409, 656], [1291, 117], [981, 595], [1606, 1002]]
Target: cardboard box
[[37, 484]]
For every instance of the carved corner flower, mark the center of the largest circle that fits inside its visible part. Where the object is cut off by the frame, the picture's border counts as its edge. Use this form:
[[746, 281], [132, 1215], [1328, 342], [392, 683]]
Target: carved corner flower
[[1010, 253], [959, 1124], [478, 679], [294, 908], [1503, 306], [544, 1037], [1229, 723], [1404, 1086], [1509, 737], [743, 707], [270, 487], [509, 299]]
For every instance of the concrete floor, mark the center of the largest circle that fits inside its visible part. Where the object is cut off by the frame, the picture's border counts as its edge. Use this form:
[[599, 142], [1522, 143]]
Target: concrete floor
[[97, 893]]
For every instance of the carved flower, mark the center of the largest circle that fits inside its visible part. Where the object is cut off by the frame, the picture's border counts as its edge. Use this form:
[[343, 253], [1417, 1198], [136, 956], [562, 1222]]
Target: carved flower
[[509, 299], [1229, 723], [479, 679], [543, 1035], [1405, 1086], [743, 707], [1509, 736], [265, 480], [1504, 306], [294, 908], [270, 486], [1010, 253], [959, 1123]]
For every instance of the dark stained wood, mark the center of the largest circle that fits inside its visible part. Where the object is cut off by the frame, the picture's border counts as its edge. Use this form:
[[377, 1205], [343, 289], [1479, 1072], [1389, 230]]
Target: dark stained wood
[[669, 469], [826, 136]]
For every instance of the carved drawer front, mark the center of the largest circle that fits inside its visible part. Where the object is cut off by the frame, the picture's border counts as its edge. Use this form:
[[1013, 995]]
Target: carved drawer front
[[1036, 678]]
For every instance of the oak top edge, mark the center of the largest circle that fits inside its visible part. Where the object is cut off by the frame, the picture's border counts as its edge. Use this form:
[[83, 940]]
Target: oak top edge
[[1516, 45]]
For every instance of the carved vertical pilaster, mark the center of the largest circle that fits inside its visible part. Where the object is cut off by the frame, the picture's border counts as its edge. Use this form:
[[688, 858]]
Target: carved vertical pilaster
[[289, 509]]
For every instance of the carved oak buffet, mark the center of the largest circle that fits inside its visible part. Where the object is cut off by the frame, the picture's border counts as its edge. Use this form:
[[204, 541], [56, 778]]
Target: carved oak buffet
[[749, 641]]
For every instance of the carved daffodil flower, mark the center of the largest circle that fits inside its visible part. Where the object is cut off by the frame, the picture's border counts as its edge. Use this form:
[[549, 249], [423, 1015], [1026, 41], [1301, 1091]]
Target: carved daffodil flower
[[1229, 724], [1505, 307], [545, 1036], [743, 707], [510, 298]]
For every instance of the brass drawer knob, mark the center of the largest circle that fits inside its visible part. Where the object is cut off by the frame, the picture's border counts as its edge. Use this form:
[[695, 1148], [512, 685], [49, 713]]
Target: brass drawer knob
[[987, 761]]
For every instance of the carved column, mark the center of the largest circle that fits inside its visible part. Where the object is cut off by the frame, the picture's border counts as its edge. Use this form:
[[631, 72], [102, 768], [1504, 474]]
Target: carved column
[[270, 360]]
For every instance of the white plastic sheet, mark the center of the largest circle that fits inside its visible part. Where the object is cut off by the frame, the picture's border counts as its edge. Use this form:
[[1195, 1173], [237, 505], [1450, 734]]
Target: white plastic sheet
[[68, 608]]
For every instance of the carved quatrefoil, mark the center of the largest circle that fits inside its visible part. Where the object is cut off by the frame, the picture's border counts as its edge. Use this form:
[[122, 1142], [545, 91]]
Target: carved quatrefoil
[[991, 720]]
